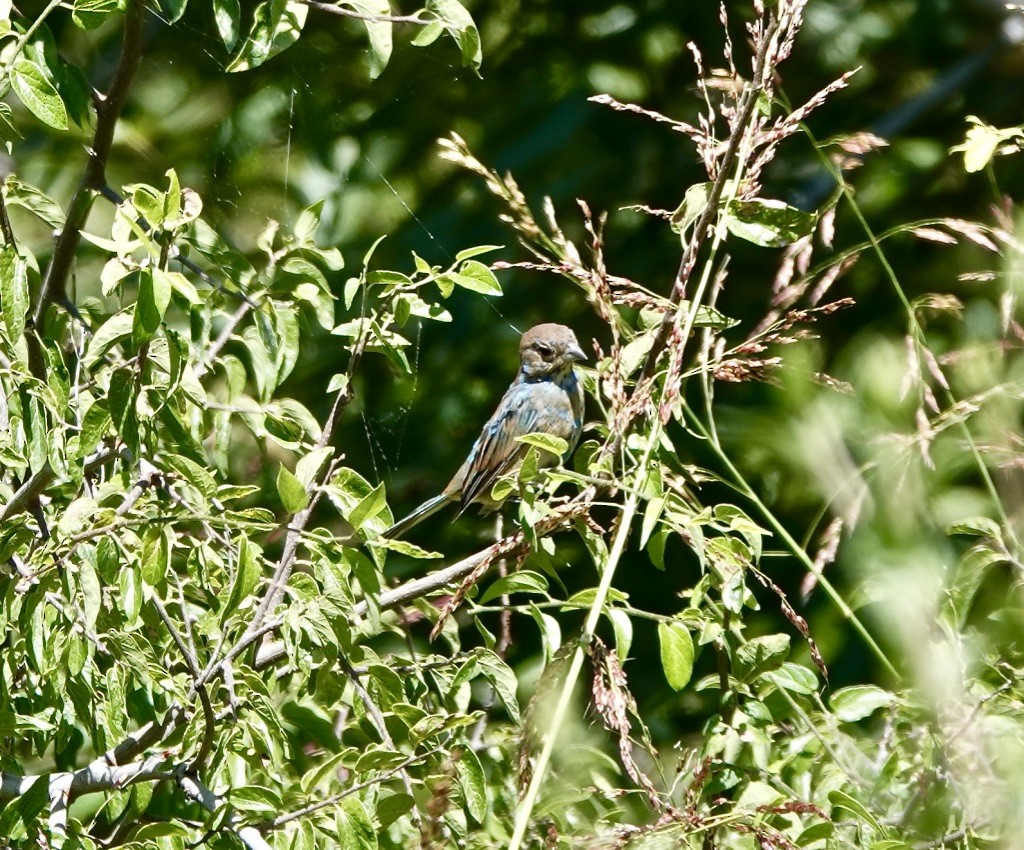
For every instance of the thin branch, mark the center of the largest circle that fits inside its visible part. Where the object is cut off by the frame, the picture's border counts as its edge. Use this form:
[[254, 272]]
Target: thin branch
[[222, 339], [374, 712], [439, 579], [299, 522], [98, 775], [5, 221], [362, 16], [348, 792], [188, 653], [43, 478], [108, 111], [31, 31], [149, 475], [199, 793]]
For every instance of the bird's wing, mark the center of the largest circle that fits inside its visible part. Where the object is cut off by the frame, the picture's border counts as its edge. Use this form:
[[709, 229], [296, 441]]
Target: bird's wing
[[525, 409]]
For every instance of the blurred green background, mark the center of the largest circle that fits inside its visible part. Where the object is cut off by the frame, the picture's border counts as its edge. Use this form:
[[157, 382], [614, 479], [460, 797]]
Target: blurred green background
[[310, 124]]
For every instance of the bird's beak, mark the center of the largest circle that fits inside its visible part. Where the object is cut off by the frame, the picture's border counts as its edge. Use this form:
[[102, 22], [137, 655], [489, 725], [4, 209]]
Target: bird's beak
[[575, 354]]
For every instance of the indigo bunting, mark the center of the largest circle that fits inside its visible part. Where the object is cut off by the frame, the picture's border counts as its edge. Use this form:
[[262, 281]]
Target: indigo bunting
[[545, 397]]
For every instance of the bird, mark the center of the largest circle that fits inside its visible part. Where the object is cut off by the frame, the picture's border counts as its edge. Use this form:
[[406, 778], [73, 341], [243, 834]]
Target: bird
[[546, 397]]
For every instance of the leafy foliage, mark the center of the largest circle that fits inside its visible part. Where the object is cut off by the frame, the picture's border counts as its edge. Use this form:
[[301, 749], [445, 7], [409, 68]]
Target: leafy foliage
[[207, 640]]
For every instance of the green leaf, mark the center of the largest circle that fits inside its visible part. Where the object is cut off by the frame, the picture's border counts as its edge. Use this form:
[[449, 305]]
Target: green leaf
[[91, 589], [226, 17], [308, 466], [89, 14], [622, 625], [842, 800], [473, 784], [469, 253], [404, 547], [459, 24], [476, 277], [293, 494], [760, 655], [769, 223], [525, 581], [979, 526], [154, 296], [547, 442], [198, 476], [248, 569], [121, 401], [550, 631], [256, 799], [129, 582], [21, 194], [112, 331], [355, 829], [428, 34], [694, 202], [378, 31], [277, 25], [393, 807], [156, 556], [500, 675], [859, 701], [795, 678], [369, 507], [14, 298], [175, 9], [33, 88], [24, 810], [676, 653]]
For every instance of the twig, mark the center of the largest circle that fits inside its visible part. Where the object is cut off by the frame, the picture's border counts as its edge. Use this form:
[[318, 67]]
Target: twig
[[284, 567], [348, 792], [362, 16], [374, 712], [43, 478], [31, 30], [199, 793], [419, 587], [5, 221], [199, 689], [108, 111], [149, 474], [222, 339]]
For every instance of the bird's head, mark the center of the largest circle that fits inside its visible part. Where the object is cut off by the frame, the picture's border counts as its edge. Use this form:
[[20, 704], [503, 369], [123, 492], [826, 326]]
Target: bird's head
[[549, 349]]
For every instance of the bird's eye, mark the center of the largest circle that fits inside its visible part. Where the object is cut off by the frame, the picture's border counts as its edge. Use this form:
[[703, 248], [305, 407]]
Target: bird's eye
[[542, 348]]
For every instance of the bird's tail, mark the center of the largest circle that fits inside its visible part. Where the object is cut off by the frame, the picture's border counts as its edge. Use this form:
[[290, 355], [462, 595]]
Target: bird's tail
[[428, 508]]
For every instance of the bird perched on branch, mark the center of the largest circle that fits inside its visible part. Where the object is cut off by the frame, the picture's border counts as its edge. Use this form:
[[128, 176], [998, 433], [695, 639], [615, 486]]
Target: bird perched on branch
[[546, 397]]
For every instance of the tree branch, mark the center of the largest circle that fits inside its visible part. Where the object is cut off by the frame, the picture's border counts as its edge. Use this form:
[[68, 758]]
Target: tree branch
[[98, 775], [43, 478], [199, 793], [108, 111], [270, 653], [5, 221], [361, 16]]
